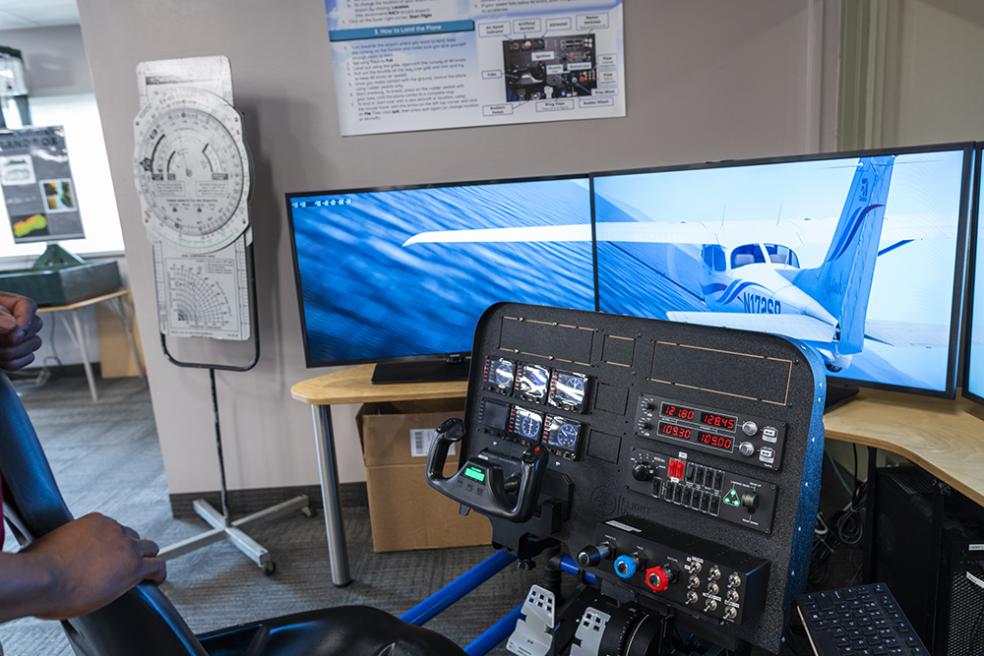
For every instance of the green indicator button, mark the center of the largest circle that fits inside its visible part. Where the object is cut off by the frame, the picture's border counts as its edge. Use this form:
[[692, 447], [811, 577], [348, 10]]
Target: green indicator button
[[732, 499], [475, 473]]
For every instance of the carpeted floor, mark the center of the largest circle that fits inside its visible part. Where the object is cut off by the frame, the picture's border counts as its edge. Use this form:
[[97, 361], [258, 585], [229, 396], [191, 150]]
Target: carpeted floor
[[106, 458]]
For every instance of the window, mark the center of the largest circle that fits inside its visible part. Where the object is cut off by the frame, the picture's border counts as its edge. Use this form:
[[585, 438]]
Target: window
[[779, 254], [714, 257], [747, 254]]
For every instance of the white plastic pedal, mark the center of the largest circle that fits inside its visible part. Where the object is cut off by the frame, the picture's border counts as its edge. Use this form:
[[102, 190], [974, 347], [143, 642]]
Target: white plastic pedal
[[587, 638], [534, 630]]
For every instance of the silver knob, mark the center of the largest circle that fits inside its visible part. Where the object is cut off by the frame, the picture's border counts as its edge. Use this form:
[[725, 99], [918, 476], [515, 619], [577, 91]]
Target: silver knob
[[749, 428], [746, 449]]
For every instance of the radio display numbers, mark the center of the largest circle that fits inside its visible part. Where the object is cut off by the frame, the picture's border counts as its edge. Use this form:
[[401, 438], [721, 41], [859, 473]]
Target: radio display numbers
[[678, 412], [726, 422], [672, 430], [716, 441]]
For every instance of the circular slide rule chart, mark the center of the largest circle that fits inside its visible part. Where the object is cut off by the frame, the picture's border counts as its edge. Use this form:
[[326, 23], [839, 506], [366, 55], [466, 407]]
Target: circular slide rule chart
[[192, 170]]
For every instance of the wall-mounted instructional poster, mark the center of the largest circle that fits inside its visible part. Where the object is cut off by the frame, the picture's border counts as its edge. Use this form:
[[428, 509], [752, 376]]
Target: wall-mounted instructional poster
[[428, 64], [36, 180]]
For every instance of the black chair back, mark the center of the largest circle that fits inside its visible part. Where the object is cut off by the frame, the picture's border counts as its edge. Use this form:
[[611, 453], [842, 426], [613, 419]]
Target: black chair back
[[142, 621]]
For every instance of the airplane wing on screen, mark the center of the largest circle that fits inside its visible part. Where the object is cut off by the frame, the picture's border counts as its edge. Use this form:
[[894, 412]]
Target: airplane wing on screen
[[795, 326], [897, 228], [898, 333]]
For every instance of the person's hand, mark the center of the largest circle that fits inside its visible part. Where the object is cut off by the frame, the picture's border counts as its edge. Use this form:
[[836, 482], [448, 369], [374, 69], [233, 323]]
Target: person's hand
[[19, 327], [92, 561]]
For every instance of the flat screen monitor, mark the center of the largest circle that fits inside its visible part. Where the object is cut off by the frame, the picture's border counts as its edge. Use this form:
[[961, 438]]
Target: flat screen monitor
[[860, 256], [974, 369], [396, 273]]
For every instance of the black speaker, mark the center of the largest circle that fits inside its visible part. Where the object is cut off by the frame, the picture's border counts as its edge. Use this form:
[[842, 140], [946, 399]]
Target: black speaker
[[908, 520], [960, 603]]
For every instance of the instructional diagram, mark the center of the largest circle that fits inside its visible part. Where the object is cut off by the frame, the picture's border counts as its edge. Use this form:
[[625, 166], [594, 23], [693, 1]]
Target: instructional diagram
[[404, 65]]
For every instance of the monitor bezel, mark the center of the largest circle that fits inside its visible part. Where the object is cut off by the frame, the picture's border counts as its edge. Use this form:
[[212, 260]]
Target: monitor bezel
[[298, 289], [955, 342], [975, 226]]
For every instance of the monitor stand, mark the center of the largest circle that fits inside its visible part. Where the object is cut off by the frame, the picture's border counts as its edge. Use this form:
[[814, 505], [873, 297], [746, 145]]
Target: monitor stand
[[838, 395], [422, 371]]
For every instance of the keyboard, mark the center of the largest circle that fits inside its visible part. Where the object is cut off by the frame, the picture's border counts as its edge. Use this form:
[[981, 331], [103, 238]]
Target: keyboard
[[864, 620]]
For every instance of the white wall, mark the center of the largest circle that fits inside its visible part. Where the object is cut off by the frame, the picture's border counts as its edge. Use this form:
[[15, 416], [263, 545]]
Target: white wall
[[705, 80]]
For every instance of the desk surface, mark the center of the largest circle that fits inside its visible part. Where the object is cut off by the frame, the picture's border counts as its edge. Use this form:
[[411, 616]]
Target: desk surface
[[944, 437], [354, 385], [85, 302]]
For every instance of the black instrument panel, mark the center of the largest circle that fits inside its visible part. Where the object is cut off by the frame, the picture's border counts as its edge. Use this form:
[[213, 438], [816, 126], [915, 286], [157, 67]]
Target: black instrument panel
[[624, 438]]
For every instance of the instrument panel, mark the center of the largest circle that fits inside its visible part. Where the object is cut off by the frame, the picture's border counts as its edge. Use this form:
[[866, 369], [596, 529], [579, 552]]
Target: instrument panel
[[721, 470]]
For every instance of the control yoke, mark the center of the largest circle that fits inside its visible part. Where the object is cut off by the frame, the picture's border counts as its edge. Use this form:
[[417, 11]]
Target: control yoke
[[492, 483]]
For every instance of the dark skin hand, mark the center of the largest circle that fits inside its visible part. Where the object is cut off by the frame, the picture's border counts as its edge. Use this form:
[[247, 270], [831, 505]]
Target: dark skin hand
[[19, 328], [85, 564], [76, 569]]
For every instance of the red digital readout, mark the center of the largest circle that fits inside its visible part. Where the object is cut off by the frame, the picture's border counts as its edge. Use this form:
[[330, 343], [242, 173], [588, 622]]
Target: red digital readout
[[716, 441], [672, 430], [678, 412], [718, 421]]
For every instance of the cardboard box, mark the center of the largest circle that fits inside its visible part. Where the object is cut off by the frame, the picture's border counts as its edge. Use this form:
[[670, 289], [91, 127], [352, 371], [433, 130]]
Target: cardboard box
[[405, 512]]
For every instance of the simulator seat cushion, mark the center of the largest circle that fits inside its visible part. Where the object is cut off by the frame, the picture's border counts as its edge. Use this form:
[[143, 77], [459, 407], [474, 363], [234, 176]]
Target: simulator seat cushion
[[341, 631]]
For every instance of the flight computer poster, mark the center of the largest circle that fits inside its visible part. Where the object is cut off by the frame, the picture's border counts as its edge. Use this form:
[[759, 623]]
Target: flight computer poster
[[433, 64], [37, 185], [853, 256]]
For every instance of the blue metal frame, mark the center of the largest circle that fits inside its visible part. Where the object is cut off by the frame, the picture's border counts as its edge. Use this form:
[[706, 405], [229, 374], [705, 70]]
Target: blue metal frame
[[447, 596], [444, 598]]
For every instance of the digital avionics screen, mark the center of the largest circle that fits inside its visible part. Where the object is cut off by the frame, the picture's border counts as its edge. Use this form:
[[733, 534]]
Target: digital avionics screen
[[408, 272], [974, 380], [856, 256]]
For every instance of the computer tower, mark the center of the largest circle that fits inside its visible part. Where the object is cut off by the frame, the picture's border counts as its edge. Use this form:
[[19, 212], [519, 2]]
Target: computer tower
[[908, 521], [960, 602]]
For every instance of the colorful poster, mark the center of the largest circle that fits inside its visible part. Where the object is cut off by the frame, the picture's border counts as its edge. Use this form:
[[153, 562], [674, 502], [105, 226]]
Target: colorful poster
[[37, 186], [433, 64]]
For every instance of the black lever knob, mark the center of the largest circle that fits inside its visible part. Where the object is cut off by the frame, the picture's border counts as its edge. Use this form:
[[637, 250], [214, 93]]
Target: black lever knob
[[642, 471], [453, 429], [592, 555]]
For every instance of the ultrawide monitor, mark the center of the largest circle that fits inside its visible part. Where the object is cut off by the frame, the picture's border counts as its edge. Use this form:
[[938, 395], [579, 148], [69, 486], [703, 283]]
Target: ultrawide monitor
[[397, 273], [859, 256], [974, 371]]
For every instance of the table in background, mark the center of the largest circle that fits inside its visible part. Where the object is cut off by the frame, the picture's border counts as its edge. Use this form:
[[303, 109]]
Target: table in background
[[352, 385], [944, 437], [119, 303]]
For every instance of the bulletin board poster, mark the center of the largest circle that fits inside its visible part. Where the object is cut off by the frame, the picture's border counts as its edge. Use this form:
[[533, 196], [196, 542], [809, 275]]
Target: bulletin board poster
[[36, 181], [403, 65]]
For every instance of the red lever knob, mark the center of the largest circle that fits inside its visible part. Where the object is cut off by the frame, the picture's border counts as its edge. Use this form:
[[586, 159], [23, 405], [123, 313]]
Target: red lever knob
[[657, 579]]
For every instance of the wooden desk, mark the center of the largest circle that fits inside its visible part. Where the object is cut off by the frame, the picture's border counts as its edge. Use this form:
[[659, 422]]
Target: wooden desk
[[944, 437], [119, 303], [352, 385], [939, 435]]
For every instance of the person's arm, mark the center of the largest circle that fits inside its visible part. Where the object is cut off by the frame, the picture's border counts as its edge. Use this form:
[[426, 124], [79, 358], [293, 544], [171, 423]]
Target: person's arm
[[19, 328], [76, 569]]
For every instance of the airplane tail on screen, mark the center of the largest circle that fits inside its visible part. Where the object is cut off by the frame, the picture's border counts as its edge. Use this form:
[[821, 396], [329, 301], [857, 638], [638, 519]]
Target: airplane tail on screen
[[842, 283]]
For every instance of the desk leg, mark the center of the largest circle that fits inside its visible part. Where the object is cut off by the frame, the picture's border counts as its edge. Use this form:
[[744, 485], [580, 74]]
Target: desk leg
[[870, 518], [328, 472], [78, 336]]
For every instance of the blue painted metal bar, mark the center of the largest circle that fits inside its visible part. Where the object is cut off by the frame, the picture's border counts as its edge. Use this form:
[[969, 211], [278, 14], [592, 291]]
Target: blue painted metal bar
[[568, 565], [441, 600], [495, 634]]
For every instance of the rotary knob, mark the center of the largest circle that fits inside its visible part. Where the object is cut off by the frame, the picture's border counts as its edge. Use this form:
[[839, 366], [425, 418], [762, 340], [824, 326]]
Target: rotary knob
[[746, 449], [642, 471], [749, 428]]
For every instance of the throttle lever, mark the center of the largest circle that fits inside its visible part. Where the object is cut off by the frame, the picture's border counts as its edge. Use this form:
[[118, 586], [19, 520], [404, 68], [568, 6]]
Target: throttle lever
[[481, 482]]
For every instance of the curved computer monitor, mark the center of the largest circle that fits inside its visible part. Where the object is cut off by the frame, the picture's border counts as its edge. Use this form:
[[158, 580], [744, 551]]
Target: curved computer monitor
[[860, 255], [974, 350], [405, 273]]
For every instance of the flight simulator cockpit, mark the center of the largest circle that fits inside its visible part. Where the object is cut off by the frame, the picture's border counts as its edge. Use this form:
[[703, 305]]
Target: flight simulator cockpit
[[674, 469]]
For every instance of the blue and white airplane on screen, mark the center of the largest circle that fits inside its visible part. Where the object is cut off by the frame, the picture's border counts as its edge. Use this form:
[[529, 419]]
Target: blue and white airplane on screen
[[750, 281]]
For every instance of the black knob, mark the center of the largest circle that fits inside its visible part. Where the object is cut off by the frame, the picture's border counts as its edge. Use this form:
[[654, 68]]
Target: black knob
[[642, 471], [592, 555]]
